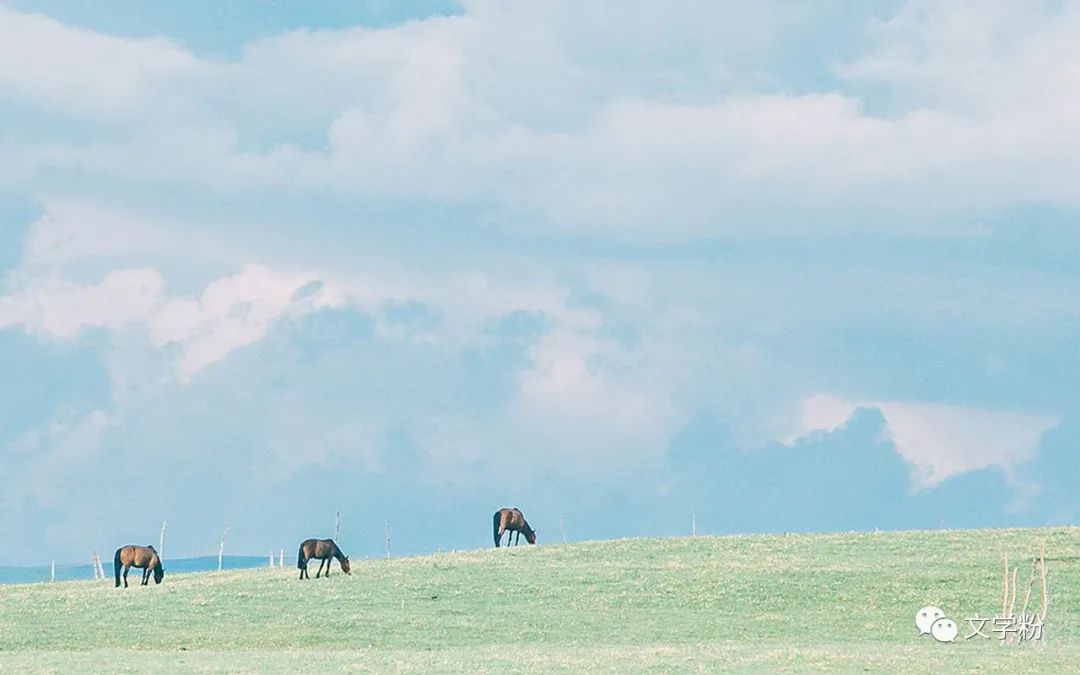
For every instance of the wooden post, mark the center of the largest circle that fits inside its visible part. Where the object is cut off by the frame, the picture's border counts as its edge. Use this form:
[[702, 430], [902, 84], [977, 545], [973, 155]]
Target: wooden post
[[161, 543], [281, 558], [337, 526], [52, 574], [221, 549], [562, 528], [271, 558], [93, 564], [387, 538], [1045, 591], [1005, 593], [693, 524]]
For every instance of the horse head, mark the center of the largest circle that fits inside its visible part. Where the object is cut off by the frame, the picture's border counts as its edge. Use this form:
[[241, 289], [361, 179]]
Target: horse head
[[530, 536], [345, 564], [159, 573]]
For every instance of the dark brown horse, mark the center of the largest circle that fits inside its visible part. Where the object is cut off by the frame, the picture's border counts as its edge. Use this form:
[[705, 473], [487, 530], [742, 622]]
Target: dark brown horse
[[513, 521], [144, 557], [324, 550]]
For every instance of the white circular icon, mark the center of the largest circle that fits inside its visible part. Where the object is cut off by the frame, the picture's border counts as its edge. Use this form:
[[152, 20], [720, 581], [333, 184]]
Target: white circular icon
[[944, 630], [926, 617]]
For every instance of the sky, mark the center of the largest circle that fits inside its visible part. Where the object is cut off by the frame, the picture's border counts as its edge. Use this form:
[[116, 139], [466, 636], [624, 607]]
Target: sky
[[764, 266]]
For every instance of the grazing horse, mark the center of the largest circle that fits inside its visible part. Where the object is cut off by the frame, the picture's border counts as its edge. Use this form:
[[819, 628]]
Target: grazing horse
[[324, 550], [513, 521], [144, 557]]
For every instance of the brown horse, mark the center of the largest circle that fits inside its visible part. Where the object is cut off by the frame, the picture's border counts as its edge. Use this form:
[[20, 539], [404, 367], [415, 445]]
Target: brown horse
[[324, 550], [144, 557], [513, 521]]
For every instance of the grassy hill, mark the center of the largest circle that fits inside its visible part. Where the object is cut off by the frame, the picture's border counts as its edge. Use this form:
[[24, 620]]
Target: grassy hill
[[767, 603]]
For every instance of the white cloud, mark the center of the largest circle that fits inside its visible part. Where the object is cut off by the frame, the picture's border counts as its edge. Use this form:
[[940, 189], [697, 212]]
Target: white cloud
[[62, 309], [940, 440], [582, 406], [232, 312], [70, 230], [982, 60], [87, 73], [436, 110]]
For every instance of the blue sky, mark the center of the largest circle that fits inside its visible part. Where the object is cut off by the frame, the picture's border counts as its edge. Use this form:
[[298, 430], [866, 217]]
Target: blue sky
[[782, 267]]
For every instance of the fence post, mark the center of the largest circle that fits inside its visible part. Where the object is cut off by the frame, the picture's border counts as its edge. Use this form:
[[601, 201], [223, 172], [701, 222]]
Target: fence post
[[161, 543], [693, 524], [281, 558], [387, 538], [52, 573], [221, 549], [337, 526]]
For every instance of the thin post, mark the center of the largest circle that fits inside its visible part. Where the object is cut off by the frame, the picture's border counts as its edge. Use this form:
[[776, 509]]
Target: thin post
[[281, 558], [387, 538], [221, 549], [161, 543], [93, 564], [1005, 593], [562, 528], [52, 574], [693, 524], [337, 526], [1045, 588], [271, 558]]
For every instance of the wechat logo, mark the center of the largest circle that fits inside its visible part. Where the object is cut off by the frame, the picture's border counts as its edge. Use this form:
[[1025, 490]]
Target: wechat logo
[[931, 620]]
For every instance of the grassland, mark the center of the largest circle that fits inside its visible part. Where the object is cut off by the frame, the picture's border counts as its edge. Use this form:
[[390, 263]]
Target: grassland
[[749, 603]]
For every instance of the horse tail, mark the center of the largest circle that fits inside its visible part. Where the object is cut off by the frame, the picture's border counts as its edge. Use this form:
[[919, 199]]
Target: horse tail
[[495, 527], [116, 566], [300, 562]]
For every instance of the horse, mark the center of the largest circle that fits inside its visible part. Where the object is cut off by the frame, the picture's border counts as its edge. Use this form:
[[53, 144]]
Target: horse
[[138, 556], [513, 521], [324, 550]]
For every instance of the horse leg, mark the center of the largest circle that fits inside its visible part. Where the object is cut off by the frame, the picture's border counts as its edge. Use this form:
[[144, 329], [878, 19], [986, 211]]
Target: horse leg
[[319, 572], [303, 570], [146, 575], [126, 569]]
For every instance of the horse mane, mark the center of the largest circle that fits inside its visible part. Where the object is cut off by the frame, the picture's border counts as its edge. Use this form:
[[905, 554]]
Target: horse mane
[[525, 523], [337, 552]]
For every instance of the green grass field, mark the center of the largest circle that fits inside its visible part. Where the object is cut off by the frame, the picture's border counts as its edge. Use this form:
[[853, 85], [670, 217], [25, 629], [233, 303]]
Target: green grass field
[[749, 603]]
